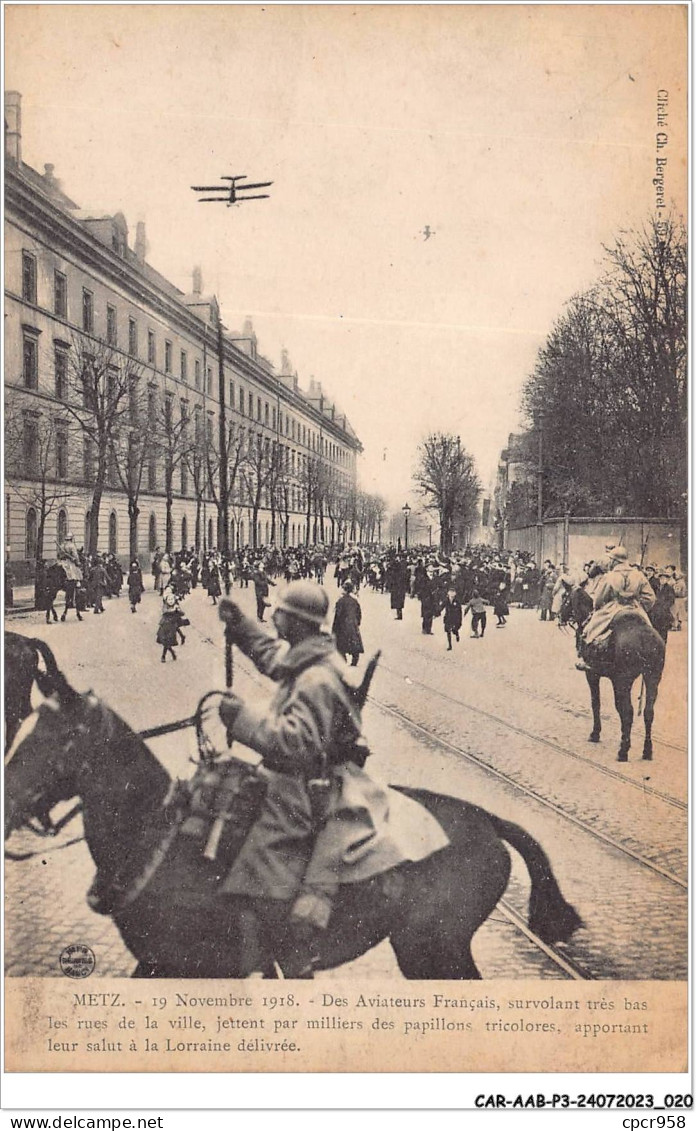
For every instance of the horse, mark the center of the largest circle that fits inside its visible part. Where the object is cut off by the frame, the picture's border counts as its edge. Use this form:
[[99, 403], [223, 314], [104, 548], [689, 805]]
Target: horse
[[55, 579], [638, 650], [168, 906], [22, 670]]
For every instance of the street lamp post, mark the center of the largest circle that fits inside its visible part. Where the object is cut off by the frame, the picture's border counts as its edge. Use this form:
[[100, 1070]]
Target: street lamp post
[[540, 487], [406, 510]]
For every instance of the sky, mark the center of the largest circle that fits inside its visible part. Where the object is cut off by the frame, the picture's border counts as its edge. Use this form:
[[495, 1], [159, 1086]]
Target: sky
[[444, 178]]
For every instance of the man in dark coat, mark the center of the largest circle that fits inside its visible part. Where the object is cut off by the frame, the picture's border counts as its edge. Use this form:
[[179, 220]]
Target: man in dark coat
[[97, 584], [452, 616], [262, 583], [427, 593], [398, 585], [346, 625]]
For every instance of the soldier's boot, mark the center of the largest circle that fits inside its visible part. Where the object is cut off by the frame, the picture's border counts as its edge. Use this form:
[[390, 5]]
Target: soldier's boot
[[251, 957], [308, 920]]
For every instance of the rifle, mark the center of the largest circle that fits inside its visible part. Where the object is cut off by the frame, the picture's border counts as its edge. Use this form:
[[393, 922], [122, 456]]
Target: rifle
[[357, 751]]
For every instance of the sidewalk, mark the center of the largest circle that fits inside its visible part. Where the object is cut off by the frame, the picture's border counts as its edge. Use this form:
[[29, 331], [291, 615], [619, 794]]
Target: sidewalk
[[23, 596]]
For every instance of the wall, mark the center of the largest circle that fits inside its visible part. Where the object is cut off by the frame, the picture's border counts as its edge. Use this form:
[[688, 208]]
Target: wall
[[652, 541]]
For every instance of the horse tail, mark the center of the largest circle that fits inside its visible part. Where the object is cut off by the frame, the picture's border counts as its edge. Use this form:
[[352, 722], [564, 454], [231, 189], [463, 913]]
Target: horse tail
[[551, 917]]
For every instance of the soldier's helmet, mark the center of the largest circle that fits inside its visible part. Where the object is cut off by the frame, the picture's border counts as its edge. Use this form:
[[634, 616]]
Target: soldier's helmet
[[618, 554], [306, 600]]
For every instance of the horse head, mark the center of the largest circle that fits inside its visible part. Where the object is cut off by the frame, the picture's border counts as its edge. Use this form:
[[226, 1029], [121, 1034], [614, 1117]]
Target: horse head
[[39, 766], [73, 745], [576, 606]]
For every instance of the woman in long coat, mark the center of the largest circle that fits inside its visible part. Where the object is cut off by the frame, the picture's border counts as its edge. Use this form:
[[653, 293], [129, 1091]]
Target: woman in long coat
[[346, 625], [398, 586], [213, 582], [136, 586], [168, 626]]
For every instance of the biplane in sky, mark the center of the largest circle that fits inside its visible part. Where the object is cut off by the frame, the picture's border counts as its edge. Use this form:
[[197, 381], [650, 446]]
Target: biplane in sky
[[232, 193]]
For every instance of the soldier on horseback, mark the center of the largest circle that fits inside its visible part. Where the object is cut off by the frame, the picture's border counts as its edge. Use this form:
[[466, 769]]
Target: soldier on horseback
[[624, 588], [324, 821], [69, 559]]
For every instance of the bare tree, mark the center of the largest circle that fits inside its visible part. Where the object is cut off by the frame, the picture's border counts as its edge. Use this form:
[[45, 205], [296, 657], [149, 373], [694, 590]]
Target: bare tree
[[609, 388], [39, 459], [446, 478], [130, 454], [99, 380], [234, 454], [254, 474]]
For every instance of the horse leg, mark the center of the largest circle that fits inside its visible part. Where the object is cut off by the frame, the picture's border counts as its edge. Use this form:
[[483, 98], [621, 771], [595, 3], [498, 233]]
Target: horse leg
[[449, 896], [651, 689], [622, 699], [593, 681]]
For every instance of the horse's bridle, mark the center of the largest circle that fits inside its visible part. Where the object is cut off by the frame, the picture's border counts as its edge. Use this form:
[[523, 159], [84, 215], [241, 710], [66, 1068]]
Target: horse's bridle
[[39, 820]]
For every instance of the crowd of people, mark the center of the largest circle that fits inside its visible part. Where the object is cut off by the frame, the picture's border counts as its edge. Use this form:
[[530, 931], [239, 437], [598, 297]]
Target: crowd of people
[[448, 587]]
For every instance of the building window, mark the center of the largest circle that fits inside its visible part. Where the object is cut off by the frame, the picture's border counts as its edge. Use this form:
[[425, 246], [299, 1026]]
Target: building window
[[30, 361], [113, 540], [29, 278], [61, 371], [184, 366], [133, 401], [167, 357], [241, 401], [31, 532], [258, 408], [31, 446], [112, 390], [197, 372], [152, 471], [265, 414], [61, 453], [60, 294], [62, 525], [111, 331], [132, 337], [88, 460], [87, 311], [209, 381], [152, 534], [111, 470], [151, 351], [231, 394], [274, 420]]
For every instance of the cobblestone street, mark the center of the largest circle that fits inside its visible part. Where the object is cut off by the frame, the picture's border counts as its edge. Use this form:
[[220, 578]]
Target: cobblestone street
[[512, 700]]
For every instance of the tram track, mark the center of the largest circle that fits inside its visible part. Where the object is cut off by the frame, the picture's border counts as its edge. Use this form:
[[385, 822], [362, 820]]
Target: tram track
[[486, 767], [607, 771], [567, 961], [508, 779]]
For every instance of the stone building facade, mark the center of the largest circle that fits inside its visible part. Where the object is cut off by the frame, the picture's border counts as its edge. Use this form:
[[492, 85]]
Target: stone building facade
[[75, 287]]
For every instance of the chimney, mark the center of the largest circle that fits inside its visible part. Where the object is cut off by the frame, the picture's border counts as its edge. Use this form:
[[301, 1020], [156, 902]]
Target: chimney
[[140, 242], [248, 332], [197, 281], [51, 181], [13, 126]]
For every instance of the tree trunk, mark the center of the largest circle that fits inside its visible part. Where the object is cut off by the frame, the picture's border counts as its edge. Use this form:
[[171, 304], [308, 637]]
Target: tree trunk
[[169, 475], [133, 512], [96, 504], [198, 523], [40, 571]]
